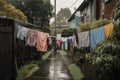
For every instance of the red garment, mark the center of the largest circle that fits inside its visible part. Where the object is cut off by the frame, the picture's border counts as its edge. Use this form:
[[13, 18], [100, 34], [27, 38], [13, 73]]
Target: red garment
[[42, 41], [32, 34]]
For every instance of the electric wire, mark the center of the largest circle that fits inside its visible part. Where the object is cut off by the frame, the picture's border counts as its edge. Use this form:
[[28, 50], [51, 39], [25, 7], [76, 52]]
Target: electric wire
[[73, 4]]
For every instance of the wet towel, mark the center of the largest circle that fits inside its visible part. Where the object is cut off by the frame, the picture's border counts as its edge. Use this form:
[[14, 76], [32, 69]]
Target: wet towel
[[42, 41], [32, 35], [96, 35], [22, 32], [108, 29], [83, 39]]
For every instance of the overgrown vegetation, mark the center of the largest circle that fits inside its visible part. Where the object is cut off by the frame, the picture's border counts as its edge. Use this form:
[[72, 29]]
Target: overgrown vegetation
[[95, 24], [106, 55]]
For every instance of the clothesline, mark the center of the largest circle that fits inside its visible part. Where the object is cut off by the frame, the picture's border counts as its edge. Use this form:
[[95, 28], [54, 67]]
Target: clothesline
[[89, 38], [94, 36], [33, 38]]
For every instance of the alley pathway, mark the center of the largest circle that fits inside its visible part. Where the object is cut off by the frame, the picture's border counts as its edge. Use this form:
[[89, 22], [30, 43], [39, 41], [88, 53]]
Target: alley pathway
[[53, 68]]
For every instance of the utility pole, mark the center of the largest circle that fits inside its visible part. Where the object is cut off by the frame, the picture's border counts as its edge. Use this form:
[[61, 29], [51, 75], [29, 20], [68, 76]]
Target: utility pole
[[55, 48], [55, 15]]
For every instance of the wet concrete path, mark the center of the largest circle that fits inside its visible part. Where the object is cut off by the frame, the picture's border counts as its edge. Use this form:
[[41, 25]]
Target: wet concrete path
[[53, 68]]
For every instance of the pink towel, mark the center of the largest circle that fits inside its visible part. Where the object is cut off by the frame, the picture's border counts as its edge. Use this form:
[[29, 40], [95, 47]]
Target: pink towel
[[32, 34], [42, 41]]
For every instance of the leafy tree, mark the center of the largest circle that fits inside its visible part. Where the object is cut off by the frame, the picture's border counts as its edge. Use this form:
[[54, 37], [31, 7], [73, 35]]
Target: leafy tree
[[61, 21], [10, 11], [62, 17], [37, 11]]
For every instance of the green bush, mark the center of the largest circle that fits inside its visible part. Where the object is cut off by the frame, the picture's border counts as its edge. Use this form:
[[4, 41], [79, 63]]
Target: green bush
[[69, 32], [106, 60], [99, 23], [84, 27]]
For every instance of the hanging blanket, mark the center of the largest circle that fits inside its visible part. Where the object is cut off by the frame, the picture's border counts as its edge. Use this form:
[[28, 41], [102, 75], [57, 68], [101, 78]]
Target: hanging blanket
[[83, 39], [96, 35], [108, 29], [42, 41]]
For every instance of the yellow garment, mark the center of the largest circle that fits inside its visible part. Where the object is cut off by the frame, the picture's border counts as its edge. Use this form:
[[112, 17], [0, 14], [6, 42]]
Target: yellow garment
[[108, 29]]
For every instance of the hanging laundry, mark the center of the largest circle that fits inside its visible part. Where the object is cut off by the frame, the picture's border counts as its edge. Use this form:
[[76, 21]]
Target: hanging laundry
[[42, 41], [22, 32], [50, 41], [96, 35], [74, 41], [58, 35], [32, 34], [53, 41], [69, 40], [108, 29], [58, 41], [65, 43], [77, 39], [84, 40]]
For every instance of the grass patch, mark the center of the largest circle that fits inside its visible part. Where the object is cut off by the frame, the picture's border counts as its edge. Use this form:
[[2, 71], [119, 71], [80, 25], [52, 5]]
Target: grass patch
[[63, 52], [46, 55], [76, 72], [32, 71], [28, 69], [24, 70]]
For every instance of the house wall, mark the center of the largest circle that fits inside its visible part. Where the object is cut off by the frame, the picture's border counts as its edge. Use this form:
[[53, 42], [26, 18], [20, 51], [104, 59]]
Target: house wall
[[102, 9], [72, 23], [92, 10], [109, 6], [86, 13]]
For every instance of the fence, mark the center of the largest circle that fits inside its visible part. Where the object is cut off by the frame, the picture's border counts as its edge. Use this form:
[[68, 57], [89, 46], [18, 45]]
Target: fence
[[7, 58], [13, 52]]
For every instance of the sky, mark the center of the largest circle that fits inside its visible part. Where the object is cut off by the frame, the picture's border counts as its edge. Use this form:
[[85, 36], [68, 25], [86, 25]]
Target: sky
[[66, 3], [71, 4]]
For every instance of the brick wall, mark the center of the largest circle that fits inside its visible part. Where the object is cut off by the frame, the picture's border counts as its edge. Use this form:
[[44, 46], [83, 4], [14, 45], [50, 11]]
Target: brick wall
[[109, 7]]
